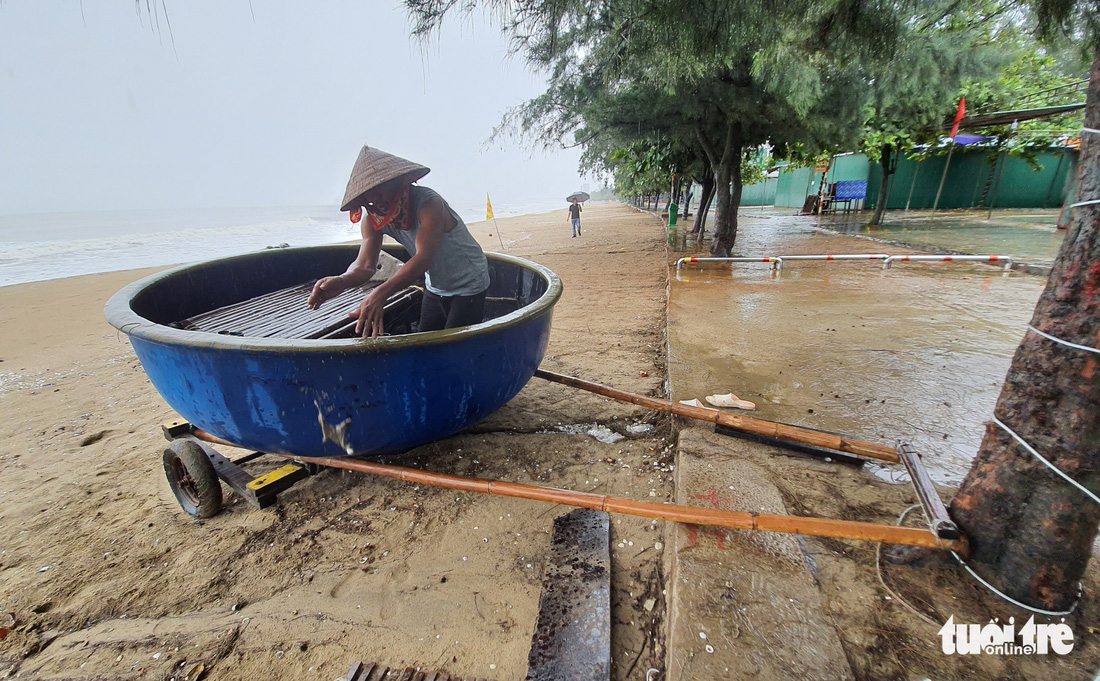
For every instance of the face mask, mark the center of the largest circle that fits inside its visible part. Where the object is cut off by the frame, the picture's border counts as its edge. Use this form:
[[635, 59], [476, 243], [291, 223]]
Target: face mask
[[397, 216]]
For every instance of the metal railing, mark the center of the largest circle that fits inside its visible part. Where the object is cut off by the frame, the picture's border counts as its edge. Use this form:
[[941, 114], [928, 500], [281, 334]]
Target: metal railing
[[948, 258], [777, 263], [887, 260]]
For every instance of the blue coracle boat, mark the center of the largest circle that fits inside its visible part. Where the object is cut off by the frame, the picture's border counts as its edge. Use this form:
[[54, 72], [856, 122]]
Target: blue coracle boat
[[314, 397]]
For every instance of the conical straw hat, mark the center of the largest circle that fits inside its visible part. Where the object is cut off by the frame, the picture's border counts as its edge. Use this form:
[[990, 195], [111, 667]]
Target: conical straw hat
[[372, 168]]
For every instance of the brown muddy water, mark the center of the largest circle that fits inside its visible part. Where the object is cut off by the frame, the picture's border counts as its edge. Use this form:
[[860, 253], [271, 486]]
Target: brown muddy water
[[917, 352], [1028, 236]]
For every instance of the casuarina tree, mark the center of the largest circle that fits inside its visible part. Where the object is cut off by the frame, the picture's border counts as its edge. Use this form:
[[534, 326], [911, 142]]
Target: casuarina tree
[[725, 75], [1030, 530], [913, 92]]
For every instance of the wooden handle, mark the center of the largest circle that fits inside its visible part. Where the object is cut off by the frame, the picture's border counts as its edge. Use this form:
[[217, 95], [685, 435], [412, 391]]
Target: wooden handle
[[782, 431]]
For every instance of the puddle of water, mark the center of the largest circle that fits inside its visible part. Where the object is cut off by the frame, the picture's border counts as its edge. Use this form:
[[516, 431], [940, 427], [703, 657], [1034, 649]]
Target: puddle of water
[[916, 353], [1027, 236]]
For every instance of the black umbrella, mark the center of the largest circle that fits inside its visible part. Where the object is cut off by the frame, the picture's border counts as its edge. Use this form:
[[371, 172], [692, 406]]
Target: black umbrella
[[579, 196]]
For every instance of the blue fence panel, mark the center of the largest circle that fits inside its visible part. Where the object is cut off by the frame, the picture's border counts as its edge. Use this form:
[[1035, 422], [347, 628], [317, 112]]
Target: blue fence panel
[[850, 190]]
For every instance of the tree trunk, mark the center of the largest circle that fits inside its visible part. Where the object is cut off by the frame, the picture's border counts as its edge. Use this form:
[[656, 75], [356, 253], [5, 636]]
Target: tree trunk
[[729, 194], [880, 204], [1030, 530], [720, 243], [705, 197], [737, 187], [705, 210]]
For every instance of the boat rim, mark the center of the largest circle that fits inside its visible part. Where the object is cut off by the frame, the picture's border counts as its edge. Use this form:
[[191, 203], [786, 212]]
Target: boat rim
[[120, 315]]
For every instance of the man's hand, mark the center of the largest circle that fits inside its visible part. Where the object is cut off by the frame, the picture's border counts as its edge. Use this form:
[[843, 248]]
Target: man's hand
[[325, 289], [370, 315]]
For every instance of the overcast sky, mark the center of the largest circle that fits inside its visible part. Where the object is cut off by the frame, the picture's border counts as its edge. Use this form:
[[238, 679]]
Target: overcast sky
[[99, 111]]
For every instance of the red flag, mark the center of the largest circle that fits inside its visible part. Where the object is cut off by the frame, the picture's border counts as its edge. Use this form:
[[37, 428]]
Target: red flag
[[959, 115]]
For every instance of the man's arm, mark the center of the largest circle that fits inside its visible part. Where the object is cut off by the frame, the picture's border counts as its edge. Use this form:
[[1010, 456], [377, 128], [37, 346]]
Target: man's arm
[[435, 221], [358, 273]]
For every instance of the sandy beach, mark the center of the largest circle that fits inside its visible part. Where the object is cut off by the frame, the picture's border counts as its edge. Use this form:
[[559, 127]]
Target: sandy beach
[[104, 577]]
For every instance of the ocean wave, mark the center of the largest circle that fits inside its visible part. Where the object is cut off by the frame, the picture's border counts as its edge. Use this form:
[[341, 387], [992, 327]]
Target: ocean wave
[[27, 261], [114, 241]]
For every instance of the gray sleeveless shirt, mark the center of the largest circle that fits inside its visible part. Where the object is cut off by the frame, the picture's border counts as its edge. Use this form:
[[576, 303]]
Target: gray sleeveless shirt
[[459, 267]]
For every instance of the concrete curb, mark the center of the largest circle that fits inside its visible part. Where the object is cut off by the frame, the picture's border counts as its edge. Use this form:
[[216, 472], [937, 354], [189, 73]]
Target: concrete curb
[[741, 604]]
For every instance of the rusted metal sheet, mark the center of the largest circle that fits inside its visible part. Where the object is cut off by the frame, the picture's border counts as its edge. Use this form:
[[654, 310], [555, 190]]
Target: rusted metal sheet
[[572, 640]]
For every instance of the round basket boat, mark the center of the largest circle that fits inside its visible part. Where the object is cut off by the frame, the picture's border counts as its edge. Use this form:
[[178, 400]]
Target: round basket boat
[[331, 397]]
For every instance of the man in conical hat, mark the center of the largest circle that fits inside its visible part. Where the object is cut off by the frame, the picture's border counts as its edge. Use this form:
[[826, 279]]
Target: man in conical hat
[[454, 268]]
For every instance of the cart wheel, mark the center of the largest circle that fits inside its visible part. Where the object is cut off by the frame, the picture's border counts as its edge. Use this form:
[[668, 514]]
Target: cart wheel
[[192, 479]]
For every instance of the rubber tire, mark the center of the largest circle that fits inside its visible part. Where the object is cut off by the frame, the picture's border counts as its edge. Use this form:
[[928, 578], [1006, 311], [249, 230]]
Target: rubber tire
[[201, 496]]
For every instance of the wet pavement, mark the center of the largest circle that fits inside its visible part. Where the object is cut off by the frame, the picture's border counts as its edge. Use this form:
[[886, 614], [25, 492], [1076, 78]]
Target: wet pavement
[[917, 352], [743, 604], [1028, 236]]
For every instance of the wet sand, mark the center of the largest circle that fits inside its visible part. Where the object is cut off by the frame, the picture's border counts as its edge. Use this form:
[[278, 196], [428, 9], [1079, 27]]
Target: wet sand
[[103, 577]]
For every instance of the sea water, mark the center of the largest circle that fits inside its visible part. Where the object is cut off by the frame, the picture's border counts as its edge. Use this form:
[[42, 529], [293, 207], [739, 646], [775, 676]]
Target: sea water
[[41, 246]]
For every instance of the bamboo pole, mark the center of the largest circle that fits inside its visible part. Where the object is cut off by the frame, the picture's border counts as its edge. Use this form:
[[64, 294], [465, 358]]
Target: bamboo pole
[[916, 169], [739, 520], [782, 431], [997, 183], [946, 165]]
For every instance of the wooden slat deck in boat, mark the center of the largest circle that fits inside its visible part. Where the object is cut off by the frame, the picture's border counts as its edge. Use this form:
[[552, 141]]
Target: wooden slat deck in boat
[[284, 313]]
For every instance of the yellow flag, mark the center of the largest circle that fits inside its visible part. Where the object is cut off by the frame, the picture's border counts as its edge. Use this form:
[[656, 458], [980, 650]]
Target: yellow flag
[[488, 208]]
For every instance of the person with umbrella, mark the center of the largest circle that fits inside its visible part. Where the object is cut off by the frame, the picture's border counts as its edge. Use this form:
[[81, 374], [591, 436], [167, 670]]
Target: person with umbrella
[[455, 270], [575, 217]]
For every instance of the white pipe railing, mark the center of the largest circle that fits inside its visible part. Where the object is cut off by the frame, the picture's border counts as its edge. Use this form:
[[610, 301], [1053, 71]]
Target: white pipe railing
[[777, 263], [948, 258], [887, 260], [851, 256]]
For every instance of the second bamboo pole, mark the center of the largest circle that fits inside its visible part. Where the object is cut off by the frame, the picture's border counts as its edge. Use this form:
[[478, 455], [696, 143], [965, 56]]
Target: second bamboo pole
[[782, 431], [739, 520]]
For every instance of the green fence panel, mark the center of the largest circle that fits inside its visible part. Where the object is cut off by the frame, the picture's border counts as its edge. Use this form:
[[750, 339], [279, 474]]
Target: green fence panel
[[972, 181], [759, 194], [792, 187], [796, 184], [848, 167]]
